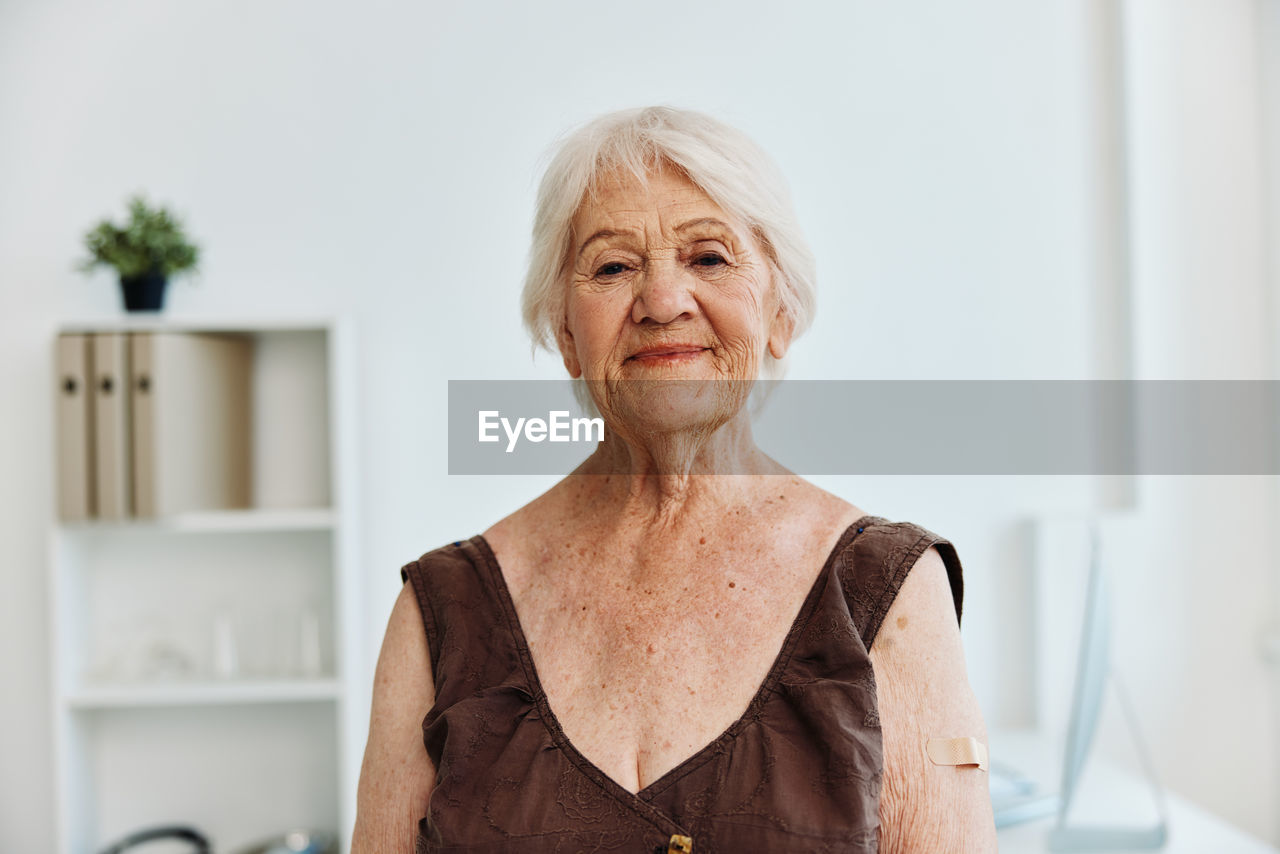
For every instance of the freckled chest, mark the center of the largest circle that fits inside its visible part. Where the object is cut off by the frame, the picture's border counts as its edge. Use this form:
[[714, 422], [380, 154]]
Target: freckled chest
[[646, 661]]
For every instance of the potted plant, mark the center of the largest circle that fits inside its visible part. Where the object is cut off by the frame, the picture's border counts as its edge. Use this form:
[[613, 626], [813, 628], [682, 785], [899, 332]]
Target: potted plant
[[145, 252]]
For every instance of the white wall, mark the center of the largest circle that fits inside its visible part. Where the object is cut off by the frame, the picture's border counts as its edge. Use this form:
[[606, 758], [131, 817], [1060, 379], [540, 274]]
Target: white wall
[[1203, 553], [1192, 560], [950, 162]]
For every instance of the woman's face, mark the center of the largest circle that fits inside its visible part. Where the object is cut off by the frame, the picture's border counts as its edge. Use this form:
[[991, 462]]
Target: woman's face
[[665, 285]]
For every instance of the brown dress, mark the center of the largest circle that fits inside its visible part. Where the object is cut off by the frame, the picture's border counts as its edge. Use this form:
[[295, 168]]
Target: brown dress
[[798, 771]]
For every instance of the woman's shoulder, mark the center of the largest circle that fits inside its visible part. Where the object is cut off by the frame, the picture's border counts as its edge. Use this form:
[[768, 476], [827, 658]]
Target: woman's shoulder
[[450, 556], [888, 533], [811, 501], [881, 558], [517, 539], [520, 528]]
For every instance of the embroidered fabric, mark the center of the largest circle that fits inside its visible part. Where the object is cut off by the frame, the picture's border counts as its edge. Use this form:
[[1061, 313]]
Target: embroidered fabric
[[800, 770]]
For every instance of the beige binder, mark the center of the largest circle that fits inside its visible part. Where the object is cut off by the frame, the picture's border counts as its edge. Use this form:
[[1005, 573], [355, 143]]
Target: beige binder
[[111, 425], [191, 428], [73, 369]]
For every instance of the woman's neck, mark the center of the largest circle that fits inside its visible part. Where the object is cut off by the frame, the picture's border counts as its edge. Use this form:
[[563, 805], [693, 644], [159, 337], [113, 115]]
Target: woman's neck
[[661, 477]]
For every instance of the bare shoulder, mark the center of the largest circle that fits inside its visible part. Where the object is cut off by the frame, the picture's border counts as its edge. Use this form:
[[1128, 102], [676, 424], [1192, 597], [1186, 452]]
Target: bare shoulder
[[819, 497], [923, 692], [396, 777], [824, 509], [522, 537], [921, 622]]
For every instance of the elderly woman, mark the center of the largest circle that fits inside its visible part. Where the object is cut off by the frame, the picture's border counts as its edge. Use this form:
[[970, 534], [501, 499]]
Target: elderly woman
[[681, 646]]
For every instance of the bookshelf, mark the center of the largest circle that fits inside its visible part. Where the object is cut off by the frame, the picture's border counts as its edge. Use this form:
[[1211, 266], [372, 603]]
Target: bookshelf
[[206, 668], [206, 693]]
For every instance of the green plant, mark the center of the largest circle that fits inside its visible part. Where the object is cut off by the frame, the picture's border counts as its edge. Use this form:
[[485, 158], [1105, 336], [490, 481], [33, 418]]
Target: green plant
[[151, 242]]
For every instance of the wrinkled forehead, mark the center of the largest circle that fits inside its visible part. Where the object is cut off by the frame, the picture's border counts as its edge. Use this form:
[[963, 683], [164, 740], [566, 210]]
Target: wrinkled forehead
[[620, 196]]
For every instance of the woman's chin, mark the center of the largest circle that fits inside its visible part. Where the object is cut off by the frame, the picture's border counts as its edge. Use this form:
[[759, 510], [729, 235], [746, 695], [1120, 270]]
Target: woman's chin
[[675, 405]]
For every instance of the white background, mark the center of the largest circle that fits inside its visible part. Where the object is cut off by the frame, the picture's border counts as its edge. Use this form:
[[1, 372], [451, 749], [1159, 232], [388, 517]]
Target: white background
[[984, 198]]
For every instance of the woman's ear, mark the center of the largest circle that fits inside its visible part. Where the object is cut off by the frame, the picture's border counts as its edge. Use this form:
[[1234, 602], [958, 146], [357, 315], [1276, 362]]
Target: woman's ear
[[568, 351], [780, 332]]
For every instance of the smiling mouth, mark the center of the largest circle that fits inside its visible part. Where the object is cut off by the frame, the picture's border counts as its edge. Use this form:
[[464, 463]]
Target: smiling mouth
[[664, 354]]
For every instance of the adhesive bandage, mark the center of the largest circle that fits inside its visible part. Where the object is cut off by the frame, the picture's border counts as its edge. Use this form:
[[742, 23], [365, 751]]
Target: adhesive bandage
[[957, 751]]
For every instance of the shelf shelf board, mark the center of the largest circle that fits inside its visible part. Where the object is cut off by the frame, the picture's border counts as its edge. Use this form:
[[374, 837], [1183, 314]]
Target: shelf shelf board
[[143, 322], [204, 694], [232, 521]]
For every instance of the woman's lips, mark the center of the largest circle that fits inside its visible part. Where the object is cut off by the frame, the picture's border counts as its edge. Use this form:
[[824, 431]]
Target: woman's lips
[[668, 354]]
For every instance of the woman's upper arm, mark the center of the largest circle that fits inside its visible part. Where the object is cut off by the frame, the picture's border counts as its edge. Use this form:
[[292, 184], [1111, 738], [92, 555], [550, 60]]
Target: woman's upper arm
[[397, 775], [923, 692]]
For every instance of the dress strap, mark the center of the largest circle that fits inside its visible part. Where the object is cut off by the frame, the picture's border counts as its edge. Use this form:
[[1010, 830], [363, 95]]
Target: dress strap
[[462, 616], [877, 562]]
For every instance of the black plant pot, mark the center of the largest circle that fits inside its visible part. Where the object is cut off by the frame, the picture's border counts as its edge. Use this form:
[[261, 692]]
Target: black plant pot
[[144, 292]]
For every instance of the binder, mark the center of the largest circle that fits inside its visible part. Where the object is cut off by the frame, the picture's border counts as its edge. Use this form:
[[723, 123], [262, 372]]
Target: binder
[[74, 416], [190, 396], [111, 425]]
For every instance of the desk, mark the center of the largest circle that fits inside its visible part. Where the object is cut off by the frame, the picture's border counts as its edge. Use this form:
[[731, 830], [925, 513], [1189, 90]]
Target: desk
[[1110, 795]]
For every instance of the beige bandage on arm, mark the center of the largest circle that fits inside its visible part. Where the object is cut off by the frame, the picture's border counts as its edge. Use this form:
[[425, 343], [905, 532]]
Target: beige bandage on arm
[[957, 751]]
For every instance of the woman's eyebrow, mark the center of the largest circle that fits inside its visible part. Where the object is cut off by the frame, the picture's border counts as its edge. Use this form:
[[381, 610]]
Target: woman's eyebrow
[[602, 234], [706, 220], [606, 233]]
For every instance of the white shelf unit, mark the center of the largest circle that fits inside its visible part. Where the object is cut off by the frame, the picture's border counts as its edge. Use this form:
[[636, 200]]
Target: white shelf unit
[[148, 729]]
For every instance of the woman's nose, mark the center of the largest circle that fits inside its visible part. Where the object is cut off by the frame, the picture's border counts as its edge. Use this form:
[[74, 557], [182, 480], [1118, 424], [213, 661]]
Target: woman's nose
[[664, 293]]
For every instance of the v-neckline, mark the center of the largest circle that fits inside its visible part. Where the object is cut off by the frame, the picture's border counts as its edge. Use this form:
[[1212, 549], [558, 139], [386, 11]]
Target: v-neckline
[[643, 797]]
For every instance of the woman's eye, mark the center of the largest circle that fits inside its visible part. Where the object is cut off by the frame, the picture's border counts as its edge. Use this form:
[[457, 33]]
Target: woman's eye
[[611, 269], [711, 259]]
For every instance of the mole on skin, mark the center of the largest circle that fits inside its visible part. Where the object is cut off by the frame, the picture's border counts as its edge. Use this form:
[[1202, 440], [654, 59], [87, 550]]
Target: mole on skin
[[902, 622]]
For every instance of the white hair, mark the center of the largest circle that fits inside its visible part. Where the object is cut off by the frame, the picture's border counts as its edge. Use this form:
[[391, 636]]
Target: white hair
[[723, 162]]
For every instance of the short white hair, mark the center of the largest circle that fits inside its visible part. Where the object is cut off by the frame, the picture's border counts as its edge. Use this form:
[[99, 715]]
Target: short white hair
[[722, 161]]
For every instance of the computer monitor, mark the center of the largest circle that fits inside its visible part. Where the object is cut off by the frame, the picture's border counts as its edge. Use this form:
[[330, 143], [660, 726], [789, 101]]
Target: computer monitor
[[1093, 671]]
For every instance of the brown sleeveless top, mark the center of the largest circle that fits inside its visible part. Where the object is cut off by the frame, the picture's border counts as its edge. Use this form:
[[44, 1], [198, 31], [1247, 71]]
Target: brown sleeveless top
[[799, 771]]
